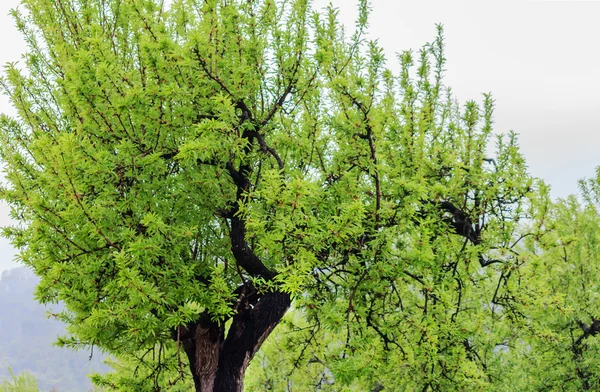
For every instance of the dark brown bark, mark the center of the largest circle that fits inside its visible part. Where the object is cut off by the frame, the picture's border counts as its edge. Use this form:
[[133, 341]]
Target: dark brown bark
[[219, 365], [247, 333], [202, 342]]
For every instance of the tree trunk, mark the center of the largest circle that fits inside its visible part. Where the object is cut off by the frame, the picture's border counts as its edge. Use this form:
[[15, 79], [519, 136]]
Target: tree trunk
[[218, 364]]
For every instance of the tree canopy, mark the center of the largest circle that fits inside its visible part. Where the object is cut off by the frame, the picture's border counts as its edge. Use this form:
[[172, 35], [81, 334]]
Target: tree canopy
[[186, 171]]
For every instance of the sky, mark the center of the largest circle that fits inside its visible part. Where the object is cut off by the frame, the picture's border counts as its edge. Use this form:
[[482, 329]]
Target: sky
[[539, 59]]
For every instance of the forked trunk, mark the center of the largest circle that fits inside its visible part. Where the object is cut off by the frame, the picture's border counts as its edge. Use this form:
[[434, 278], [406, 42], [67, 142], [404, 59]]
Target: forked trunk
[[218, 363]]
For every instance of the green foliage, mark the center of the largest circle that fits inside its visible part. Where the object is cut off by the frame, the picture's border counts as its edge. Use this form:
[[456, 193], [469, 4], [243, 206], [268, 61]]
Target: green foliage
[[158, 368], [151, 137], [413, 305], [23, 382], [549, 328], [562, 306], [121, 104]]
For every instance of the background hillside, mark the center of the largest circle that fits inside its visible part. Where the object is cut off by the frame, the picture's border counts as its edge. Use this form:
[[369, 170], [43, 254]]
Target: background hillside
[[28, 336]]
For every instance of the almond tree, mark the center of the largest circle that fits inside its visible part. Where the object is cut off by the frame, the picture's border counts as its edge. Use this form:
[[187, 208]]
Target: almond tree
[[183, 170]]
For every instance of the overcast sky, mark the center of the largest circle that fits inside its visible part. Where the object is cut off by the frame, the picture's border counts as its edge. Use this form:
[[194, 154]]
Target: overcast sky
[[539, 59]]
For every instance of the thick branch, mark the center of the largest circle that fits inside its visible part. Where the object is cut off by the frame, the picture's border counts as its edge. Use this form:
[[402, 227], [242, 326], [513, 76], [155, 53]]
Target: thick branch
[[588, 330], [210, 75], [264, 147], [244, 256], [369, 136], [201, 342], [376, 175], [279, 103], [461, 222], [248, 331]]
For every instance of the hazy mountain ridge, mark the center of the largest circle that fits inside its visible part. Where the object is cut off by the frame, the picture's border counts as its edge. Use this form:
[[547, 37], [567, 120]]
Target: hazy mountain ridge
[[28, 336]]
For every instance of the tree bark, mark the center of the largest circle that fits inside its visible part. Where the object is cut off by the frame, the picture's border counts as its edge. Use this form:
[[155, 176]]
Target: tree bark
[[219, 365]]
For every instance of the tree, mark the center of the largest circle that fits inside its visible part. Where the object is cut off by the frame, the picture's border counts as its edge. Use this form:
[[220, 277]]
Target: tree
[[184, 170], [560, 343]]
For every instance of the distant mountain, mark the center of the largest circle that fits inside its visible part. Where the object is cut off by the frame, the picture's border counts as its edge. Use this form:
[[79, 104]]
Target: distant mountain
[[27, 337]]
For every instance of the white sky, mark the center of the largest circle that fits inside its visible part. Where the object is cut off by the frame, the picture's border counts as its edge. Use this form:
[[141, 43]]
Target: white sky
[[539, 59]]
